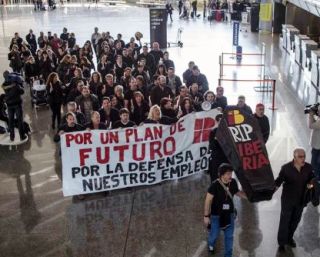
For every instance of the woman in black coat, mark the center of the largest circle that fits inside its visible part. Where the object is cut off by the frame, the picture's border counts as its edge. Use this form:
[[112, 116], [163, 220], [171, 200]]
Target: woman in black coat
[[140, 108], [46, 65], [31, 69], [55, 97], [15, 59], [95, 82], [186, 106]]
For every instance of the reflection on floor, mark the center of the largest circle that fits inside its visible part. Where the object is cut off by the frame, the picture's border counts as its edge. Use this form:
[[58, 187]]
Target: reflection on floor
[[163, 220]]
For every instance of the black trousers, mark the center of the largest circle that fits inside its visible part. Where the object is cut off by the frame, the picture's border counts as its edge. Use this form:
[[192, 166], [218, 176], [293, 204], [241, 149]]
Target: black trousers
[[56, 113], [289, 221], [15, 111]]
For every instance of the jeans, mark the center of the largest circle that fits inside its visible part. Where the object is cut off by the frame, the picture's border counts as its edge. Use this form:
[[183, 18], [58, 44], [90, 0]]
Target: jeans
[[13, 111], [315, 162], [228, 234]]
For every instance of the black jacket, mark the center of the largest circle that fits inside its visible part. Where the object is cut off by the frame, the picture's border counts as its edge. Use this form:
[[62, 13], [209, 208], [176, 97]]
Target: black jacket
[[150, 61], [201, 80], [312, 194], [294, 182], [95, 102], [55, 94], [176, 84], [113, 116], [165, 120], [66, 129], [186, 75], [15, 60], [222, 102], [217, 155], [171, 113], [140, 113], [157, 54], [119, 124], [102, 126], [157, 93], [264, 126], [32, 41], [13, 92], [31, 70], [81, 120]]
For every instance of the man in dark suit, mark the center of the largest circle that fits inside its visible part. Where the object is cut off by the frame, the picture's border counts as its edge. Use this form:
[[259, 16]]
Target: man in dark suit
[[32, 41]]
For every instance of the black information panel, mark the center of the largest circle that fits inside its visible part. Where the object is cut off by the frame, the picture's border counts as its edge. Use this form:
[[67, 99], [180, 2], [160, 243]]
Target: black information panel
[[158, 26]]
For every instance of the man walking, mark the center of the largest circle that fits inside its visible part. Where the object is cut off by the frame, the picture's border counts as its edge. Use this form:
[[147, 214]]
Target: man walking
[[219, 210], [295, 176], [263, 121]]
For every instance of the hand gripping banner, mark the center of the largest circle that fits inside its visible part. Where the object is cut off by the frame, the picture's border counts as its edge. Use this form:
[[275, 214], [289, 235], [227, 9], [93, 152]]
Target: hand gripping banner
[[241, 140], [102, 160]]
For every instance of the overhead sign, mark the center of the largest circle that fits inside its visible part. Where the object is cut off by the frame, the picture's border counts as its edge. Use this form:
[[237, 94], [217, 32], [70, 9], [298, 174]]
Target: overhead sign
[[158, 26], [235, 35], [265, 12]]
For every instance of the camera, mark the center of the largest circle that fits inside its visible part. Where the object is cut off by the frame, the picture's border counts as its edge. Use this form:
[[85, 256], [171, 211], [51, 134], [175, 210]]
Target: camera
[[312, 108]]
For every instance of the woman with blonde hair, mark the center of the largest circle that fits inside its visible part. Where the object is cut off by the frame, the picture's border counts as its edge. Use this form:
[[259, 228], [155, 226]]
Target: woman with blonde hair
[[118, 92], [155, 117]]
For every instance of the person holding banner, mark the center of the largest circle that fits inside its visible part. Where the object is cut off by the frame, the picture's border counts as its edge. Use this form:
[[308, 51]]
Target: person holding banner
[[108, 114], [69, 126], [219, 210], [95, 122], [72, 107], [296, 177], [155, 117], [124, 121], [87, 102]]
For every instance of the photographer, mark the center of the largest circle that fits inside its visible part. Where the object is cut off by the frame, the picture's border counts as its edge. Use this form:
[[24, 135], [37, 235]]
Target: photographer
[[314, 125]]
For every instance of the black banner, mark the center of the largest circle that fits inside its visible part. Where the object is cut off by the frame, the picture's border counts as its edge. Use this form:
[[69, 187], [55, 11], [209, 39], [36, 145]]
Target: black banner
[[158, 26], [241, 140]]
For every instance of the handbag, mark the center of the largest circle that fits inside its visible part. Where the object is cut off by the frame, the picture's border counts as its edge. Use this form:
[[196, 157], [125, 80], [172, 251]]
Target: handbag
[[311, 194]]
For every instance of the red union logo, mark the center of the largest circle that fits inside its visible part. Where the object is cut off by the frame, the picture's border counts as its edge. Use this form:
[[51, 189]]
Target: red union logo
[[202, 129]]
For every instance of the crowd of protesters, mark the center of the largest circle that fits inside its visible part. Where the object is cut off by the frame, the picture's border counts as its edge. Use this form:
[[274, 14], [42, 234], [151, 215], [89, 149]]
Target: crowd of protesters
[[130, 85]]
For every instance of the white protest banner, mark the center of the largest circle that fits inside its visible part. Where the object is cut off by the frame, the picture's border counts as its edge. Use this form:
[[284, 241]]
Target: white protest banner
[[102, 160]]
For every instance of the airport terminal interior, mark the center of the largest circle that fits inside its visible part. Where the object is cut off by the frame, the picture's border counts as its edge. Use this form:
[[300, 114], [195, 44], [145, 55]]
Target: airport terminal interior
[[166, 219]]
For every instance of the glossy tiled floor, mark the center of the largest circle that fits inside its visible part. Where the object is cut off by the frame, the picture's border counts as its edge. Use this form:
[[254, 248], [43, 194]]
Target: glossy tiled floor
[[163, 220]]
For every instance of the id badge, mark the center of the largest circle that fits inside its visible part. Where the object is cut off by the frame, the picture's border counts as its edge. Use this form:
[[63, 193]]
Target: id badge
[[226, 207]]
